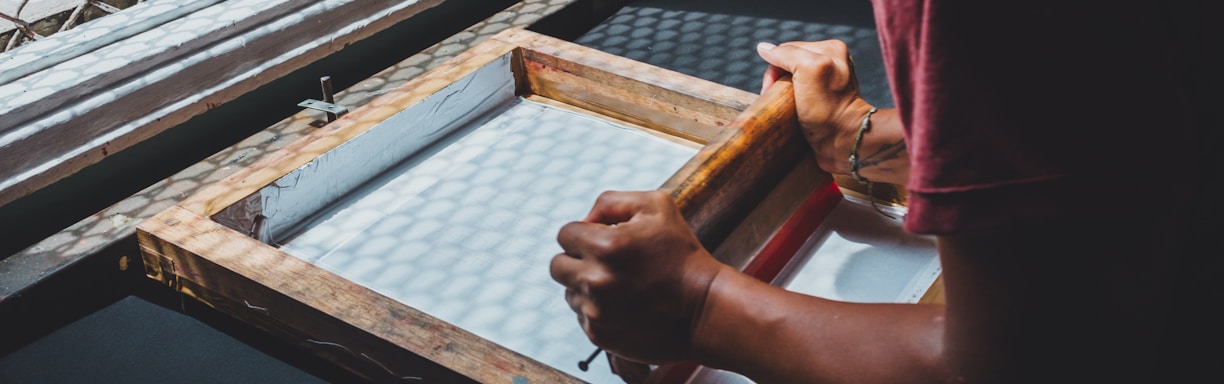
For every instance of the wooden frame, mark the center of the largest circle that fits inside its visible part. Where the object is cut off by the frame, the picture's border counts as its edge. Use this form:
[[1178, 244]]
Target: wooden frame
[[748, 179]]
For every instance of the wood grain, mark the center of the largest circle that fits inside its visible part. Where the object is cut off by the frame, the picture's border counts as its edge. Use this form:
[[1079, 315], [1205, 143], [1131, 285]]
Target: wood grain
[[721, 184], [188, 251], [671, 102]]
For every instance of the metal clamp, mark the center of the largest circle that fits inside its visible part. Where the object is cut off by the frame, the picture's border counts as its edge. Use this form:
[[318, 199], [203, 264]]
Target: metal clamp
[[328, 104]]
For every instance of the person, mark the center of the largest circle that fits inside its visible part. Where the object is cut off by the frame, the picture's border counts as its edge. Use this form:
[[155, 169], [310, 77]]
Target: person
[[1058, 153]]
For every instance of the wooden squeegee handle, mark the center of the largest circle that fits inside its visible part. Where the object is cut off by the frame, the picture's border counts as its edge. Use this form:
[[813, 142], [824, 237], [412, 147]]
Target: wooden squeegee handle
[[724, 181], [735, 171]]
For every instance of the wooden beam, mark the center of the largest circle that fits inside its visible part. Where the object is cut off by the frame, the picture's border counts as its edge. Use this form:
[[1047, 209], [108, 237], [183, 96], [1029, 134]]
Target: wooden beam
[[741, 165], [72, 71], [186, 251], [688, 107], [69, 44], [48, 134]]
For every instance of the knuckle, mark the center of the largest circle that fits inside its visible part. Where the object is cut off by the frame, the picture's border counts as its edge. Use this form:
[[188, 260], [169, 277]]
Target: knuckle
[[658, 195], [564, 231], [606, 245], [818, 65], [599, 280], [660, 198], [592, 314], [555, 267], [835, 46], [829, 46], [605, 197], [601, 246]]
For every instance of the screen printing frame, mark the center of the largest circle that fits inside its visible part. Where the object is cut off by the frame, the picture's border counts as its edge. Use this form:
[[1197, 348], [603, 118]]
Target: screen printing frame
[[752, 176]]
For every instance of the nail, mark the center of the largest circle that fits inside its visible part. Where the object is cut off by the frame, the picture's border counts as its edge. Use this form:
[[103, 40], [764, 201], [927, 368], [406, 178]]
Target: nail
[[765, 46], [586, 364]]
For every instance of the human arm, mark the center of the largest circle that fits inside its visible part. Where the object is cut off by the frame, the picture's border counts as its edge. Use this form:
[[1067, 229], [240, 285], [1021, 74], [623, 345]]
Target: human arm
[[831, 110], [646, 290], [1023, 304]]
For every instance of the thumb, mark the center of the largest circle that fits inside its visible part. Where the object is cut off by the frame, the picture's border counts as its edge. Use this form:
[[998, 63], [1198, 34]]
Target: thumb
[[774, 56], [773, 72], [615, 207]]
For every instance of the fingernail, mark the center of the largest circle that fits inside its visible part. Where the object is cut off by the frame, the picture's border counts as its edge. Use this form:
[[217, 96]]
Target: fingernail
[[765, 46]]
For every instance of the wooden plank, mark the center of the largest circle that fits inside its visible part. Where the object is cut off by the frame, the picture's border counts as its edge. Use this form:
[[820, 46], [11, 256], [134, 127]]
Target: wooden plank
[[654, 132], [209, 249], [179, 245], [27, 97], [740, 166], [674, 103], [935, 295], [84, 131], [63, 46]]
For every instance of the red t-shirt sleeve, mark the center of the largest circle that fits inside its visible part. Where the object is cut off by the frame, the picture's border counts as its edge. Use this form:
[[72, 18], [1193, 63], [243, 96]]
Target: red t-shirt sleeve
[[1015, 113]]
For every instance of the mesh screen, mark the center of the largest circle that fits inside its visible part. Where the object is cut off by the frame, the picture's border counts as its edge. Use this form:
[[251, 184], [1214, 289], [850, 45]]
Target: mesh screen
[[466, 233]]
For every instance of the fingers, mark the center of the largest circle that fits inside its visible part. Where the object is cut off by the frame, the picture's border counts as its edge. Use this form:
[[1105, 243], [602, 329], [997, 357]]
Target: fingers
[[792, 57], [581, 239], [772, 73], [565, 269], [582, 306], [577, 277], [579, 267], [614, 207], [777, 58], [626, 269], [581, 276], [789, 56]]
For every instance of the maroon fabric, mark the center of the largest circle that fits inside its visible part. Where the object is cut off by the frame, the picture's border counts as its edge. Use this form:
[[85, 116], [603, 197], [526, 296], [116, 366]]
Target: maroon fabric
[[1021, 112], [1097, 118]]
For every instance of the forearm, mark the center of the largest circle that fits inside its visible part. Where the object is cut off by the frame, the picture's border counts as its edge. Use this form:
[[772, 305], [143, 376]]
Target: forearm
[[777, 336]]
